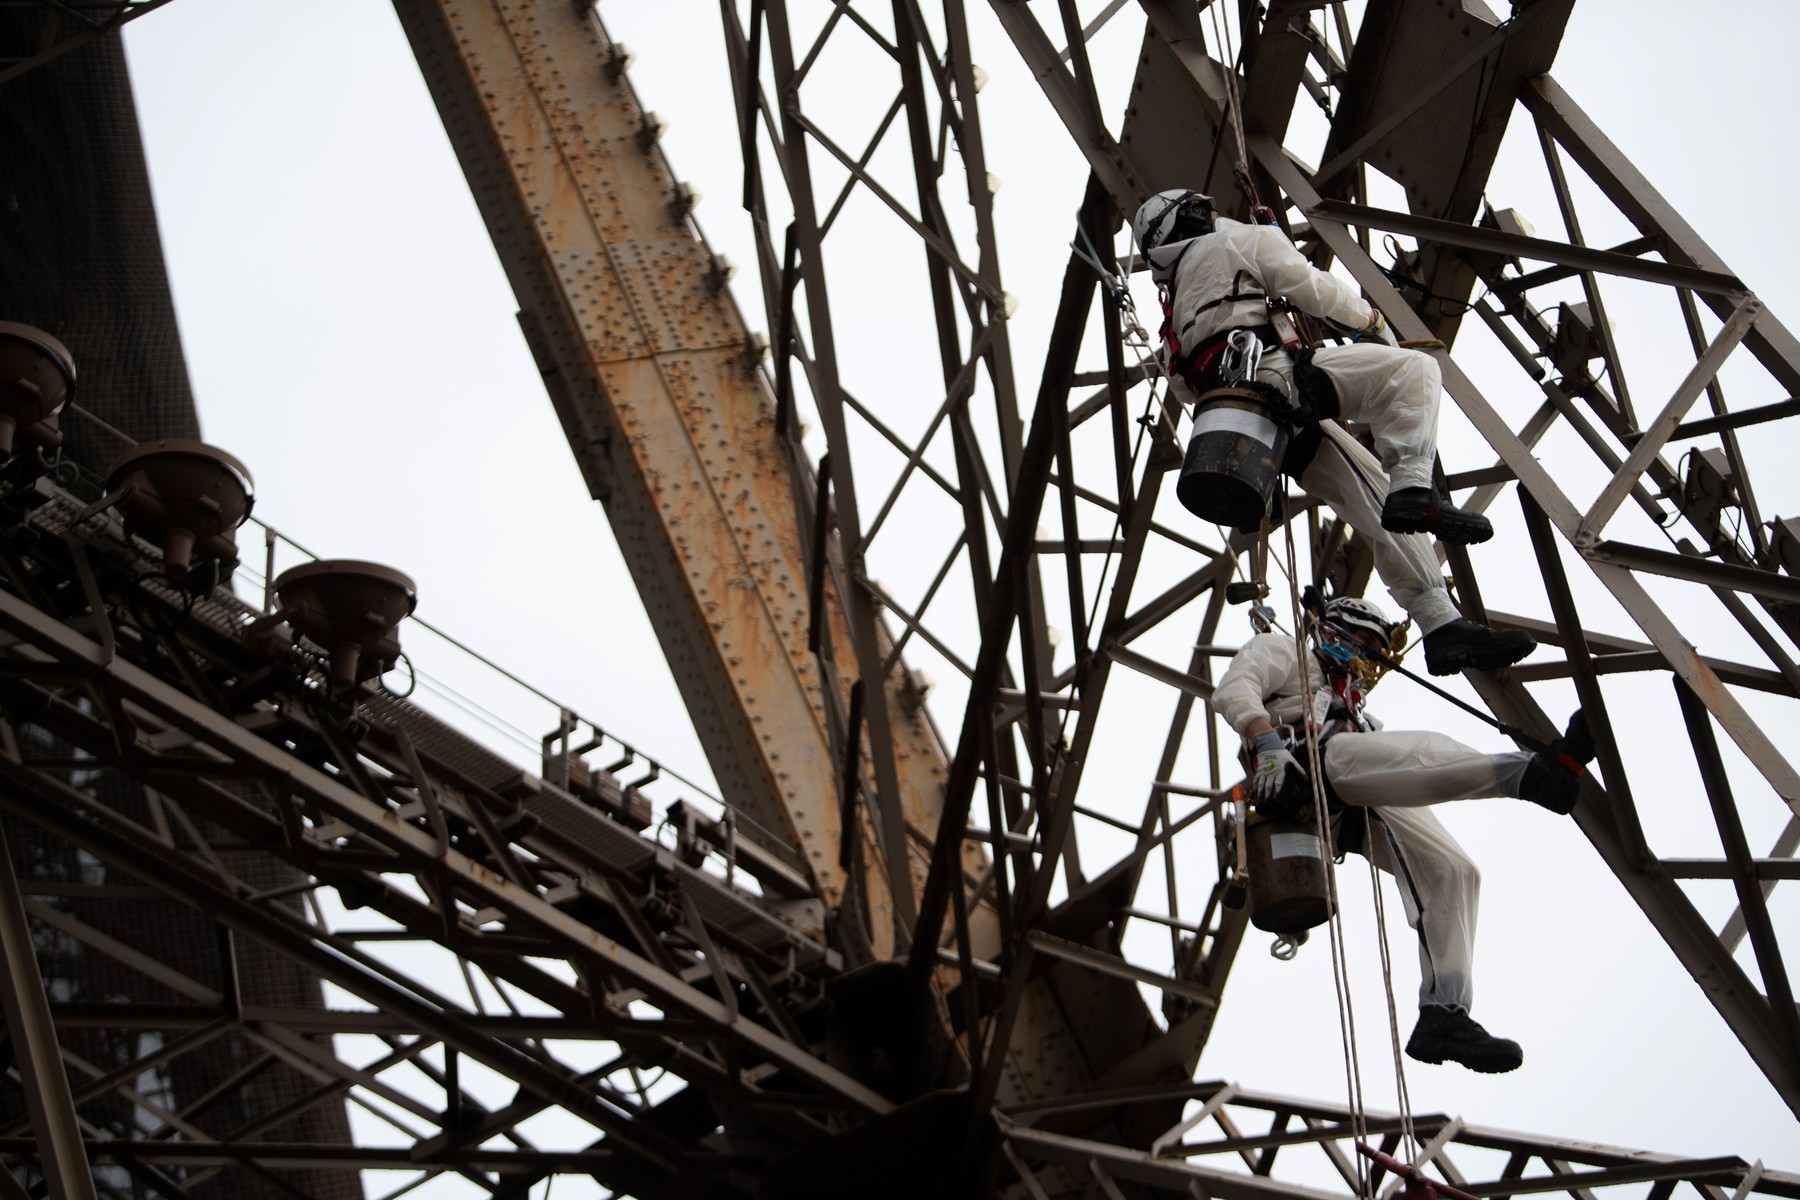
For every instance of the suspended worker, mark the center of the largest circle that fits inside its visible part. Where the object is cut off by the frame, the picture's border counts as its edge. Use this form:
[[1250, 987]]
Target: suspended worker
[[1377, 783], [1224, 275]]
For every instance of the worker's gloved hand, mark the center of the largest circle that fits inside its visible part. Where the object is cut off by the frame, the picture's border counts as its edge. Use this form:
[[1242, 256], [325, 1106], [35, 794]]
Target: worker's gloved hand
[[1377, 330], [1273, 770]]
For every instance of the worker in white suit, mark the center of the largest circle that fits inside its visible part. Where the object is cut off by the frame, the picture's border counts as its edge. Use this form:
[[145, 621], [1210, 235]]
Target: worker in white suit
[[1220, 275], [1391, 777]]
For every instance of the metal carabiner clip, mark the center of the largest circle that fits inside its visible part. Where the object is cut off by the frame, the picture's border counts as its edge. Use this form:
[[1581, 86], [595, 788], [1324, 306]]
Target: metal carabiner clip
[[1287, 946], [1242, 355]]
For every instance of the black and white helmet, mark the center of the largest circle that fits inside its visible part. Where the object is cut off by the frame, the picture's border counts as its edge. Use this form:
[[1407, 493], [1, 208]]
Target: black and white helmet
[[1171, 216], [1347, 615]]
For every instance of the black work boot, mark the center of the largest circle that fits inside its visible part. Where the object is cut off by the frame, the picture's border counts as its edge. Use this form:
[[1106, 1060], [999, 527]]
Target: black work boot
[[1462, 645], [1422, 510], [1553, 776], [1446, 1034]]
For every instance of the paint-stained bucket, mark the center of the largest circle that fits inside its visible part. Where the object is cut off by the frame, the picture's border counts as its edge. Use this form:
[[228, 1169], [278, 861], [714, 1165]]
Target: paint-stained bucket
[[1288, 890], [1233, 460]]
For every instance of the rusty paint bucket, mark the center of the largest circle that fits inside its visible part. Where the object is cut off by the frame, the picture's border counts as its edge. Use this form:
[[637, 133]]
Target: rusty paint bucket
[[1288, 888]]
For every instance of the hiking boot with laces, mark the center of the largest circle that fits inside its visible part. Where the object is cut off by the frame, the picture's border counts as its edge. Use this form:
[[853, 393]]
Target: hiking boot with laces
[[1552, 778], [1462, 645], [1449, 1034], [1423, 510]]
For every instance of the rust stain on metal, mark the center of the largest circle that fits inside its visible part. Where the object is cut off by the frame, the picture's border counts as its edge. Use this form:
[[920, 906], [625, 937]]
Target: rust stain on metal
[[585, 213]]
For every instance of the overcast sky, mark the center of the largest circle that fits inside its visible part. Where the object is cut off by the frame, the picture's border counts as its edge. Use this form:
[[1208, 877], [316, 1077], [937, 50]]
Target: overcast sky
[[351, 337]]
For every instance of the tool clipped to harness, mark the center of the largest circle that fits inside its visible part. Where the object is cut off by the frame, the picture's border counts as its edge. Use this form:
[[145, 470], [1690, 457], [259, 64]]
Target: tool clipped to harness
[[1247, 433], [1240, 359], [1243, 591], [1287, 330], [1240, 440], [1236, 851]]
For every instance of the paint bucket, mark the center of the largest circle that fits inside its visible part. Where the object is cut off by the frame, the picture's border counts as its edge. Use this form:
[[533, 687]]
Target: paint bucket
[[1233, 460], [1288, 889]]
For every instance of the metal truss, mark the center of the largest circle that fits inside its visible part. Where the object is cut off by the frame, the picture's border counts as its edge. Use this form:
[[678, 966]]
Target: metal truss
[[652, 997], [1181, 81], [1698, 581], [996, 529], [1050, 515], [1262, 1136], [67, 25], [1058, 524], [956, 950], [957, 499], [604, 976]]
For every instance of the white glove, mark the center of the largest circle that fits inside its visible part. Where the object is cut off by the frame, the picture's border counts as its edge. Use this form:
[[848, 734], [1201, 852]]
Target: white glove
[[1378, 329], [1272, 768]]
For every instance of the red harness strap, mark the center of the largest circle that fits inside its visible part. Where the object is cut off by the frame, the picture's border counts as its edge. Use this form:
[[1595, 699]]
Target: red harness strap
[[1199, 369]]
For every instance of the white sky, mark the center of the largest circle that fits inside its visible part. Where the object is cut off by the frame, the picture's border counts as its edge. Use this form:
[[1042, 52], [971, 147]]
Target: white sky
[[351, 337]]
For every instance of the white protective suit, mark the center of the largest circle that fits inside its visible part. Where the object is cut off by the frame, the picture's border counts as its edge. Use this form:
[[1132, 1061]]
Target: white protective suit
[[1221, 281], [1393, 775]]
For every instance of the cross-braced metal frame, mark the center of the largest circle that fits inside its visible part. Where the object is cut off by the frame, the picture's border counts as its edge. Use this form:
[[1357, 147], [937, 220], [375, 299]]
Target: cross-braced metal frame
[[1675, 547], [589, 966], [723, 1026], [69, 25]]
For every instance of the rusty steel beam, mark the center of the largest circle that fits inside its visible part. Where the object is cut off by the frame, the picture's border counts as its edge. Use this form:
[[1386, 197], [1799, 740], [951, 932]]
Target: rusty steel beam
[[652, 372]]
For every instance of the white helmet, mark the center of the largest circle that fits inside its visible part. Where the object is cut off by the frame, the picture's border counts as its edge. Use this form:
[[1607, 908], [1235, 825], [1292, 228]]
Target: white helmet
[[1171, 216]]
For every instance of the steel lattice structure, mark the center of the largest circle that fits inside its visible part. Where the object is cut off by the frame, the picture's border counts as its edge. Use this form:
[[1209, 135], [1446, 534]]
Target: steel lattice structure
[[922, 956]]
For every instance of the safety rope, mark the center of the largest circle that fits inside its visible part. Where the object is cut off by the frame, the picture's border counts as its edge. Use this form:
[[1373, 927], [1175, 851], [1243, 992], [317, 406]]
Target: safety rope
[[1339, 952], [1315, 766], [1234, 101], [1340, 959], [1410, 1141], [1132, 334]]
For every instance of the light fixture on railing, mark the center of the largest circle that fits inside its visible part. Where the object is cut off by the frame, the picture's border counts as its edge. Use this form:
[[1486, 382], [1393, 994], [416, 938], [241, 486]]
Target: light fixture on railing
[[350, 609], [185, 496], [37, 377]]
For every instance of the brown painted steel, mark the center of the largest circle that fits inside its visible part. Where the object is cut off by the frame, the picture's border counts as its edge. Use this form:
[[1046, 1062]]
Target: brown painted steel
[[673, 430]]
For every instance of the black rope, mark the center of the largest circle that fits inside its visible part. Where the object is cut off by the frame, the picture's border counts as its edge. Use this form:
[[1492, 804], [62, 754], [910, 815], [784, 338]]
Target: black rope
[[1314, 603], [1512, 731]]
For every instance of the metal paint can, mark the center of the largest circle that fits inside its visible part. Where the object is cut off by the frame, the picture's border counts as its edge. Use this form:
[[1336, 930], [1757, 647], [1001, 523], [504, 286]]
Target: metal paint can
[[1288, 888], [1233, 459]]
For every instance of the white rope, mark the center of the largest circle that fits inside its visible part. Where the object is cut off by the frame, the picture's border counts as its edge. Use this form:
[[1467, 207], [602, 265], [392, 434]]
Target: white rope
[[1235, 106], [1321, 812], [1410, 1140], [1340, 962]]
